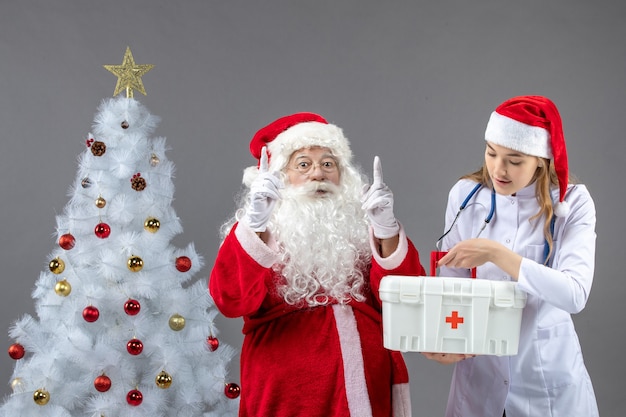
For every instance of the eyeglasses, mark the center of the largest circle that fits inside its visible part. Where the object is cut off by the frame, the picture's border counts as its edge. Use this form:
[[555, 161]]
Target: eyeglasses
[[306, 166]]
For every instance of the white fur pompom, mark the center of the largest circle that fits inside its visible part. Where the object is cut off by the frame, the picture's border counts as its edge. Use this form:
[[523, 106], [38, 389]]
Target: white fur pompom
[[561, 209]]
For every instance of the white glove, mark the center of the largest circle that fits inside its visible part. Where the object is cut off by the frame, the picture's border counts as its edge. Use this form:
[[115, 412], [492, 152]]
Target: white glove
[[264, 192], [377, 201]]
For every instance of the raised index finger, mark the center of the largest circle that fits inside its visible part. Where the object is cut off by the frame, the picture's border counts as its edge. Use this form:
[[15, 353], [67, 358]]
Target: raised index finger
[[263, 163], [378, 171]]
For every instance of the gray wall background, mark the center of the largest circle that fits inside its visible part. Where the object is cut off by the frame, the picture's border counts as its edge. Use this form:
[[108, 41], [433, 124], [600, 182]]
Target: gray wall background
[[411, 81]]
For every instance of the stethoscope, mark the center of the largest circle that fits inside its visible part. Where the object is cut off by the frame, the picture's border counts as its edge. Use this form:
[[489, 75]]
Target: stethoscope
[[488, 218], [490, 214]]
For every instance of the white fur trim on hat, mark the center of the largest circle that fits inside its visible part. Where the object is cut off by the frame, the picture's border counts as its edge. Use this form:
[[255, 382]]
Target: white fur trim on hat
[[510, 133], [306, 135]]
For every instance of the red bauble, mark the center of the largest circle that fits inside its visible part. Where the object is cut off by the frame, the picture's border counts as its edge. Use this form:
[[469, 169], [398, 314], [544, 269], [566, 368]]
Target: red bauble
[[102, 383], [232, 390], [132, 307], [91, 314], [183, 264], [134, 397], [67, 241], [134, 347], [16, 351], [213, 343], [102, 230]]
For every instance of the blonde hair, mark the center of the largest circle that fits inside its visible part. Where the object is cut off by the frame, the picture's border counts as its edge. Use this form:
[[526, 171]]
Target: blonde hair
[[546, 178]]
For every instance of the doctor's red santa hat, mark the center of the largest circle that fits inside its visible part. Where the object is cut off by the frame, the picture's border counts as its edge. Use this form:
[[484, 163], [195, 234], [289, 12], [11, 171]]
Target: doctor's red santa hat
[[290, 133], [532, 125]]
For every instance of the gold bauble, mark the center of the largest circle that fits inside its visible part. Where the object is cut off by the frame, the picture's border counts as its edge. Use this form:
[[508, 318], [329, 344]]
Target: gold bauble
[[63, 288], [100, 202], [134, 263], [152, 224], [163, 380], [57, 266], [177, 322], [17, 385], [41, 397]]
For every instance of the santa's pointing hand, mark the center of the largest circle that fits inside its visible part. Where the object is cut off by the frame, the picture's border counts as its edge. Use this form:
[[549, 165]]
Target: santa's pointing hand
[[264, 192], [377, 201]]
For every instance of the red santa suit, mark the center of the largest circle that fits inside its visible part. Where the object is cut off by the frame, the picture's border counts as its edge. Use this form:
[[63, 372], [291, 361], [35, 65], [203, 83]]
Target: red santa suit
[[324, 361]]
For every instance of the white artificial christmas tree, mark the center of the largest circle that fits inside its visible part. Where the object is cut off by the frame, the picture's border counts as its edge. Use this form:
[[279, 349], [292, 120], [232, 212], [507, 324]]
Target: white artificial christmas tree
[[122, 329]]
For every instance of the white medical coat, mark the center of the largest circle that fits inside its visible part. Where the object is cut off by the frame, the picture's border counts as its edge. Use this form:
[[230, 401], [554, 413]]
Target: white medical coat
[[548, 376]]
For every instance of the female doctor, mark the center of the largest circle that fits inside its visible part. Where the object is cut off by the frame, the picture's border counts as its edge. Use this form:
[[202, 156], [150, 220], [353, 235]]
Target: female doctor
[[519, 218]]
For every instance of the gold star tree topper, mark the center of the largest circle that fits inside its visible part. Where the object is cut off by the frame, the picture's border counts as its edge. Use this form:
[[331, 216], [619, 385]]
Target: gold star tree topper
[[129, 75]]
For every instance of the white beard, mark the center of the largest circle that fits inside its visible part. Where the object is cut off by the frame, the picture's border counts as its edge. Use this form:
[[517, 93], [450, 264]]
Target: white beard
[[323, 243]]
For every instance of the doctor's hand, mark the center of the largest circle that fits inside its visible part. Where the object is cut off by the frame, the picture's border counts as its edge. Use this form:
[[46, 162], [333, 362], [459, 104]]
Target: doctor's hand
[[447, 358], [377, 201], [469, 253], [264, 192], [478, 251]]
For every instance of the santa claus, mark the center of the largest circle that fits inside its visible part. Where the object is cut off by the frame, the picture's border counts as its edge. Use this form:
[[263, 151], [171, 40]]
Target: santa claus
[[301, 262]]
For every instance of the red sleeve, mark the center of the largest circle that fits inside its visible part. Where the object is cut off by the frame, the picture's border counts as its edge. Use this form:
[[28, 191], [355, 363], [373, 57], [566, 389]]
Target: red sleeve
[[410, 265], [237, 280]]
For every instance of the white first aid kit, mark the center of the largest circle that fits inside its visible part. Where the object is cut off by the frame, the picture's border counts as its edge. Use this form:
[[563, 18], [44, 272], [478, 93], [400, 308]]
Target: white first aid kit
[[451, 315]]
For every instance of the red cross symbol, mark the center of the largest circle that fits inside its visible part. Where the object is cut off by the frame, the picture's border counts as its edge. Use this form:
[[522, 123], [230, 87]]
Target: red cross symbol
[[454, 319]]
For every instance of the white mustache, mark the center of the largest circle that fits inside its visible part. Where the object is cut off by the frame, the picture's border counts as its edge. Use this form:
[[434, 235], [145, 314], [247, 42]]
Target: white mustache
[[313, 187]]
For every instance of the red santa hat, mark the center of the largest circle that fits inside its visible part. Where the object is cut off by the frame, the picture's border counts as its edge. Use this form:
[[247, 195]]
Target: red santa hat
[[532, 125], [289, 133]]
